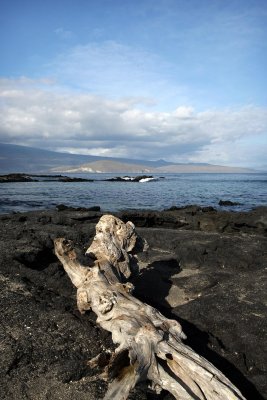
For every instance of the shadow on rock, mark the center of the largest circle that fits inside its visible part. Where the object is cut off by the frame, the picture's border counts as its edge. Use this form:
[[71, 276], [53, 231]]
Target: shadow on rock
[[199, 341], [152, 286], [154, 282]]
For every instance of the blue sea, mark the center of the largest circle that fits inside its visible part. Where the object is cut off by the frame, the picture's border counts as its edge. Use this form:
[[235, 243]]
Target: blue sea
[[250, 190]]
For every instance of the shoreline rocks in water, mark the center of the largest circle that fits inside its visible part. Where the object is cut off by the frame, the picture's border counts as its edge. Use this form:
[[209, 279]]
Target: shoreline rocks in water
[[39, 178], [226, 203], [63, 207], [139, 178], [205, 268], [16, 178], [20, 177]]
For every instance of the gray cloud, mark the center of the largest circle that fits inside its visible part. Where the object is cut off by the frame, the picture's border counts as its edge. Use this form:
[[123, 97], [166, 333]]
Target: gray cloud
[[39, 113]]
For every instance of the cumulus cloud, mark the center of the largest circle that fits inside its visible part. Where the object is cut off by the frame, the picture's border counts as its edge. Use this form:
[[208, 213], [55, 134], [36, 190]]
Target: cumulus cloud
[[39, 113]]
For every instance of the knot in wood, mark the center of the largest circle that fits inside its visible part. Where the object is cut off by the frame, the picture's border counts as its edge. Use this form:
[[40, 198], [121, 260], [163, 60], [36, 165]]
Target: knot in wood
[[106, 302], [127, 287]]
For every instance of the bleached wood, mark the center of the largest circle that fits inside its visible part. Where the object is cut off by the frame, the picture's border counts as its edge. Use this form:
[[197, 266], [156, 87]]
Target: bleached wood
[[150, 346]]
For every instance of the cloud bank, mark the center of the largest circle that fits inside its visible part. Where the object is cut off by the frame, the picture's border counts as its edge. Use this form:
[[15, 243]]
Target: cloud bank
[[39, 113]]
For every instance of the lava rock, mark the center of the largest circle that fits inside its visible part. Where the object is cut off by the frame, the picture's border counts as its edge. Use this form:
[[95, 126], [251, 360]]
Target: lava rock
[[40, 178], [204, 268], [63, 207], [226, 203], [130, 179], [16, 178], [68, 179]]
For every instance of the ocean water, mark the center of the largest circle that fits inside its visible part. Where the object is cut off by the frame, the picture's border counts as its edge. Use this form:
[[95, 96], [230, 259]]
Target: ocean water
[[250, 190]]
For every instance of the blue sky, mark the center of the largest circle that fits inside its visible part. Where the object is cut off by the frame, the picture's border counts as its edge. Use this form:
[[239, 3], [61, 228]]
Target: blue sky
[[180, 80]]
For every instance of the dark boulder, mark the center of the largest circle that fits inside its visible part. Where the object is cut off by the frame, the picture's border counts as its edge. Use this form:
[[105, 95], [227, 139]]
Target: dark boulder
[[226, 203]]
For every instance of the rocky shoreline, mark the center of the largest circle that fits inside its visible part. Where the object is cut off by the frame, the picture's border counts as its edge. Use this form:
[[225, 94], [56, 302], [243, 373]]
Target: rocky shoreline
[[206, 268]]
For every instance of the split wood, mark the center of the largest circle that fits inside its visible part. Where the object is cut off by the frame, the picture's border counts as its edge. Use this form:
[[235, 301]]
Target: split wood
[[150, 346]]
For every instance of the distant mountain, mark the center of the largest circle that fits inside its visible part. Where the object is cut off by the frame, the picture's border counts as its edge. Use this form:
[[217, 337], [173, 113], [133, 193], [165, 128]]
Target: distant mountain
[[118, 167], [14, 158], [108, 166]]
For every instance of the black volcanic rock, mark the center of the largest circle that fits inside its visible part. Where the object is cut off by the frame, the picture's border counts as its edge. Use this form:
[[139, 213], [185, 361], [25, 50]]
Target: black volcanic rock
[[206, 219], [16, 178], [42, 178], [63, 207], [128, 178], [226, 203], [68, 179], [204, 268]]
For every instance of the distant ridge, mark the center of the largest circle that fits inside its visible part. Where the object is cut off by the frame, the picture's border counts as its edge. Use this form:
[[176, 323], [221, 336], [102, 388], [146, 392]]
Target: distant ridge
[[108, 166], [118, 167], [15, 158]]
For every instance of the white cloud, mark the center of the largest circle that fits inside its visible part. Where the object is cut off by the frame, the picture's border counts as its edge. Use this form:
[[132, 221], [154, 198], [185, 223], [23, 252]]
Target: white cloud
[[244, 152], [38, 113], [183, 112]]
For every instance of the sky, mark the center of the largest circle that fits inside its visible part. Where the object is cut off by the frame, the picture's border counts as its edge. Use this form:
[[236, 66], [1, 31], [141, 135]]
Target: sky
[[179, 80]]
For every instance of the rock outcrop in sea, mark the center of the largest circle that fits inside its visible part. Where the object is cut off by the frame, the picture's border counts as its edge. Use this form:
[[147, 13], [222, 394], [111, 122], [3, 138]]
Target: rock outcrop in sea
[[40, 178], [126, 178]]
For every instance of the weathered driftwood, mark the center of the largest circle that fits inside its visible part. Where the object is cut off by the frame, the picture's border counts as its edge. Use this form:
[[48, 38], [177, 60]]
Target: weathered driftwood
[[150, 346]]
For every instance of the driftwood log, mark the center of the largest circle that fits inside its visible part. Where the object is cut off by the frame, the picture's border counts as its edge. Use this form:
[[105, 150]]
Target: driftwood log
[[150, 346]]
